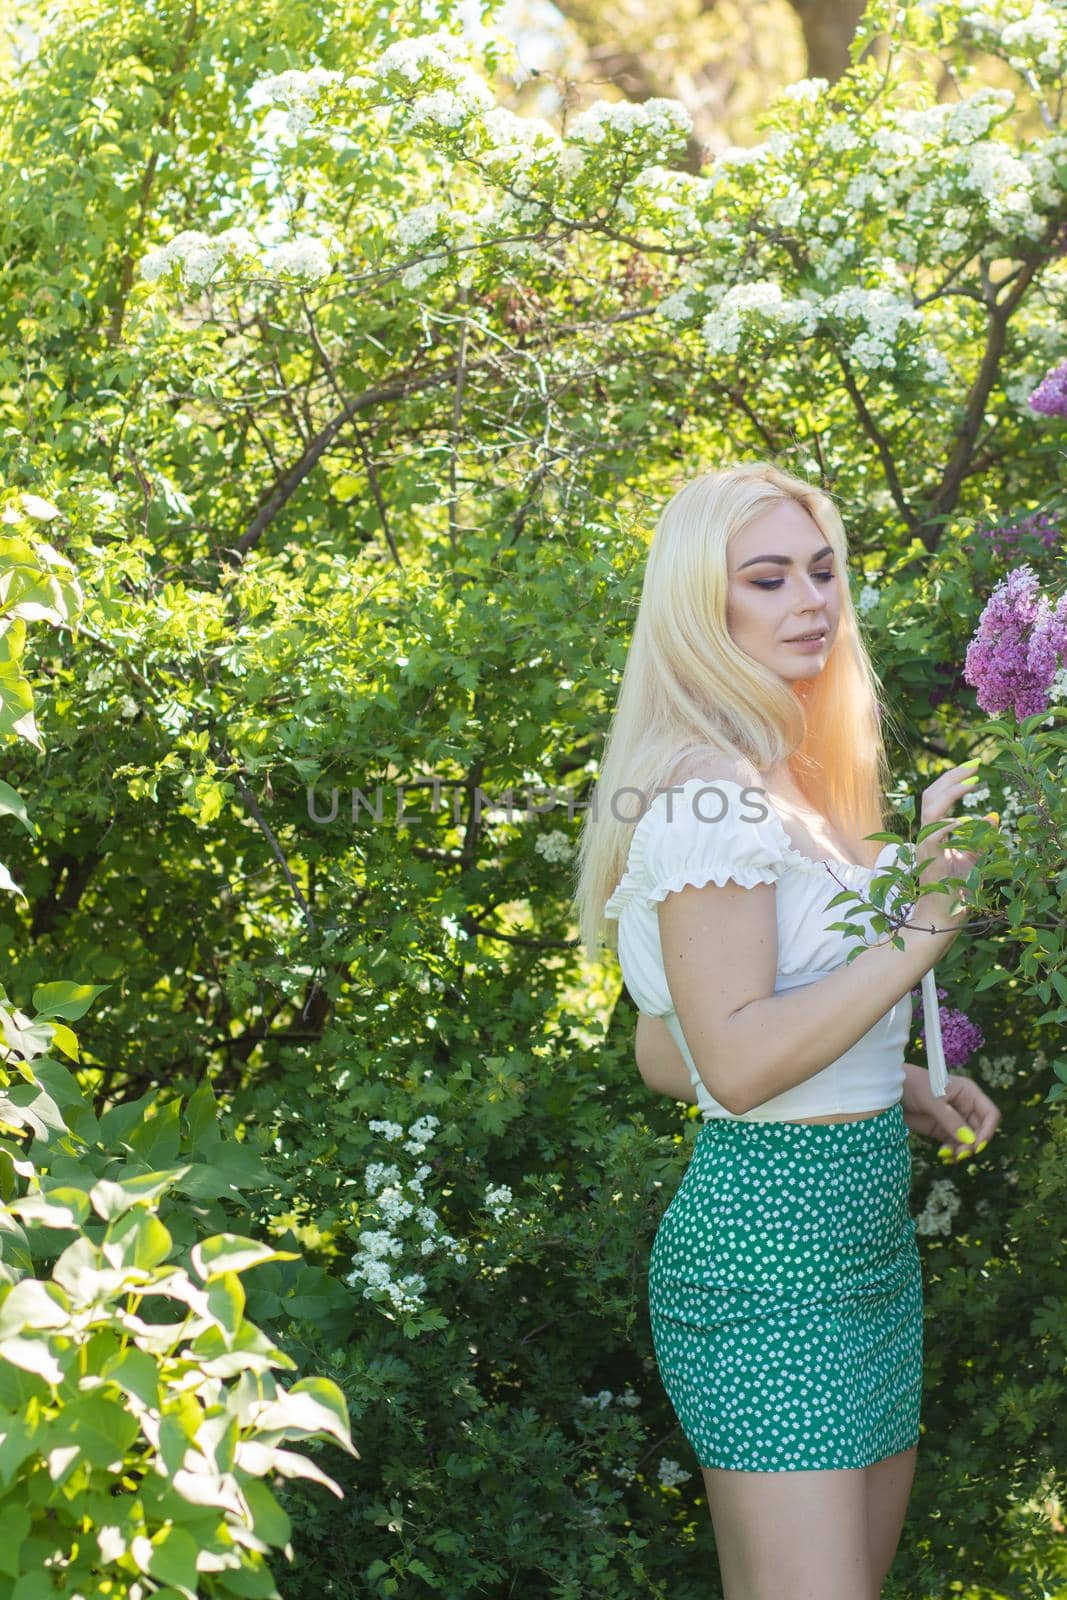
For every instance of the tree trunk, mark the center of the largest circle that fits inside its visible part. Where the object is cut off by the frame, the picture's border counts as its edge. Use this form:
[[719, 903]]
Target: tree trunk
[[828, 26]]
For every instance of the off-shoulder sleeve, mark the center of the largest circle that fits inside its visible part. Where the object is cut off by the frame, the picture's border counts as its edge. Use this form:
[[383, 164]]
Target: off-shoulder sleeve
[[716, 831]]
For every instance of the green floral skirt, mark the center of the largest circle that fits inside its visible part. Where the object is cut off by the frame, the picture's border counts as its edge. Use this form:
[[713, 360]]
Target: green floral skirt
[[785, 1295]]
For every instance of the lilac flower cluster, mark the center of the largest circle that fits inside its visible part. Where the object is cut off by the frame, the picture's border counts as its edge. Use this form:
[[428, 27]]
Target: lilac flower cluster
[[1038, 525], [1011, 661], [1050, 396], [960, 1037]]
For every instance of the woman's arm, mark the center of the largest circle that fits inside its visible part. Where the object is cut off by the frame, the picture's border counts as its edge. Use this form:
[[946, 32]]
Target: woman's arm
[[659, 1060], [967, 1109]]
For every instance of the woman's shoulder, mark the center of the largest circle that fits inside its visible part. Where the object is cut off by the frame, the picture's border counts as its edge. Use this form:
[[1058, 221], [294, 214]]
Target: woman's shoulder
[[688, 837], [715, 766]]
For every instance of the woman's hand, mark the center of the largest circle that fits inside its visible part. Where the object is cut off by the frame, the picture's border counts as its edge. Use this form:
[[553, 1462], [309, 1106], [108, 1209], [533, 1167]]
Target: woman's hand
[[944, 862], [966, 1109]]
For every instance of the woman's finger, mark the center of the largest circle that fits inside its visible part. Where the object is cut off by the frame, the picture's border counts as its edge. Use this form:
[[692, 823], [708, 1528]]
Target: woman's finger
[[978, 1114]]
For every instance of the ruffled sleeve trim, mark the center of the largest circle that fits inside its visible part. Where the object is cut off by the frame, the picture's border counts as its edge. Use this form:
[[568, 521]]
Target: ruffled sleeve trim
[[684, 851], [688, 848], [633, 878]]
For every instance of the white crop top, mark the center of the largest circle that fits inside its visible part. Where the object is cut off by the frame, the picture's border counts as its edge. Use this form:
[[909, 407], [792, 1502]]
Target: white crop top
[[678, 842]]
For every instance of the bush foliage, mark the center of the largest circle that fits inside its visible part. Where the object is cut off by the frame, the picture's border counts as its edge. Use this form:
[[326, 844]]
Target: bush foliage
[[351, 397]]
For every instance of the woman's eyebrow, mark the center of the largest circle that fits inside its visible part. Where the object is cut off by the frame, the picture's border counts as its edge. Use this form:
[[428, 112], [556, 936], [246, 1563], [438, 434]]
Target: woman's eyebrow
[[786, 561]]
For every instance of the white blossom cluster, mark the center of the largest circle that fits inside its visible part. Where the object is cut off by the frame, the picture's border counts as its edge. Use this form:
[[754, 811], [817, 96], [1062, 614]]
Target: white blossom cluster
[[881, 315], [555, 847], [412, 58], [924, 178], [497, 1201], [426, 267], [805, 89], [1007, 185], [761, 303], [920, 184], [784, 209], [298, 92], [435, 55], [442, 223], [671, 1474], [453, 928], [669, 194], [1018, 389], [303, 257], [774, 148], [658, 118], [448, 108], [941, 1206], [198, 254], [603, 1398], [1030, 34], [378, 1247], [997, 1071], [678, 306], [943, 171], [519, 142], [868, 598], [1010, 809]]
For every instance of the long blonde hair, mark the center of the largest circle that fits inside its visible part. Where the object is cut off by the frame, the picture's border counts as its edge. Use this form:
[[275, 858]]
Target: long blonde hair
[[687, 687]]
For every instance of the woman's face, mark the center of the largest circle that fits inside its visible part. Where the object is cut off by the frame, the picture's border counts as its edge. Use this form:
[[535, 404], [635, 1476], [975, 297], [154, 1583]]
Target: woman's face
[[783, 581]]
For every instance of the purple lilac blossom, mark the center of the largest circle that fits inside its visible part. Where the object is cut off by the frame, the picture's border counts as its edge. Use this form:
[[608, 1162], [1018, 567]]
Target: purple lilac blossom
[[1005, 536], [1048, 639], [1050, 396], [998, 663], [960, 1037]]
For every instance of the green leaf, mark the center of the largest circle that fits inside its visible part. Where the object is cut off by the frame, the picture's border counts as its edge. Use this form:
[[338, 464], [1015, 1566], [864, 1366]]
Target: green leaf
[[136, 1240], [12, 805], [27, 1106], [17, 1521], [158, 1138], [35, 1355], [100, 1431], [290, 1464], [202, 1116], [111, 1199], [78, 1271], [269, 1521], [251, 1583], [20, 1439], [69, 1000], [60, 1207], [65, 1039], [226, 1301], [135, 1373], [172, 1559], [33, 1304], [311, 1406], [8, 883], [229, 1252]]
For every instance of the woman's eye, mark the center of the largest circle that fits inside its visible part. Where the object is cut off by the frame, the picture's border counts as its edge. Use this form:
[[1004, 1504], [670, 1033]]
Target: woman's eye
[[774, 583]]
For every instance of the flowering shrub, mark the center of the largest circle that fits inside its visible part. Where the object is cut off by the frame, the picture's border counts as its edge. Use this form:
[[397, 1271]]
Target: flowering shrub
[[1050, 396], [126, 1450], [360, 392], [1020, 648]]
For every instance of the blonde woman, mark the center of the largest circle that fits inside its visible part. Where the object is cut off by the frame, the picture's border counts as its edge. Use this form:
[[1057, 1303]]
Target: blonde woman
[[743, 771]]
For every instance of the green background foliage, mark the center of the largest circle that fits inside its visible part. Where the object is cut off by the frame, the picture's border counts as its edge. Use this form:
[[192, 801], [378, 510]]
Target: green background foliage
[[384, 529]]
